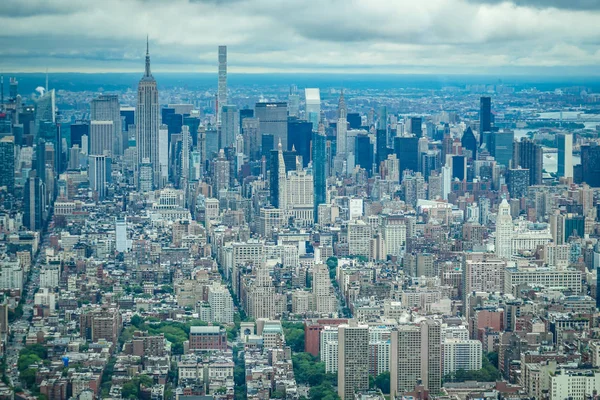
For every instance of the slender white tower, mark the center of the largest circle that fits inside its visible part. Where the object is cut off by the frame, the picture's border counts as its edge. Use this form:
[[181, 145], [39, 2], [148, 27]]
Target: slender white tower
[[504, 231], [222, 88]]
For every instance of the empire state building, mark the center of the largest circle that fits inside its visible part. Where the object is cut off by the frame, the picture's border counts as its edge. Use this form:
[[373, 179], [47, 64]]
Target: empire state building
[[147, 123]]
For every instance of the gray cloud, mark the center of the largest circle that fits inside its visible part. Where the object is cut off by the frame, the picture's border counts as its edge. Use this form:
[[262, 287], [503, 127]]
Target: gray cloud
[[297, 35], [563, 4]]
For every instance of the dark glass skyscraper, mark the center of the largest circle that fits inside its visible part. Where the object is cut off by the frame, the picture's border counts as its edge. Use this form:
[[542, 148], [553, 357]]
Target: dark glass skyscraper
[[529, 155], [319, 160], [416, 126], [485, 117], [382, 149], [354, 120], [459, 167], [79, 129], [407, 152], [7, 163], [274, 178], [501, 146], [364, 152], [590, 164], [469, 142], [299, 137]]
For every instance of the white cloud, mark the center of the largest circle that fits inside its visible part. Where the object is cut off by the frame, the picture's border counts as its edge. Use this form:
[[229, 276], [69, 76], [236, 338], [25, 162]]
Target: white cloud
[[296, 35]]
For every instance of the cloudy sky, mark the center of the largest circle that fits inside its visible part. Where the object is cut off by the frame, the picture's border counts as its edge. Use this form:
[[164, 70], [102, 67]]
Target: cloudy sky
[[371, 36]]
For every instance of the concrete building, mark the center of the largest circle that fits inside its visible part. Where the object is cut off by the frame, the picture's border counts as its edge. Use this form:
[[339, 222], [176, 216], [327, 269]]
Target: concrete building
[[416, 357], [353, 359]]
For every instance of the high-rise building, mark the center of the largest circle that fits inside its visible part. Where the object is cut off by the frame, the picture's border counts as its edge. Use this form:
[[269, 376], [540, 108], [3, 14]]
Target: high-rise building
[[342, 126], [272, 119], [107, 108], [353, 359], [382, 149], [163, 153], [354, 120], [363, 150], [147, 123], [501, 146], [294, 102], [485, 118], [504, 231], [33, 201], [416, 126], [529, 155], [313, 105], [518, 182], [78, 130], [222, 87], [230, 125], [7, 163], [319, 143], [459, 167], [101, 137], [45, 110], [186, 147], [565, 155], [461, 354], [469, 142], [590, 164], [221, 173], [407, 152], [252, 138], [97, 167], [416, 358], [121, 241], [299, 138]]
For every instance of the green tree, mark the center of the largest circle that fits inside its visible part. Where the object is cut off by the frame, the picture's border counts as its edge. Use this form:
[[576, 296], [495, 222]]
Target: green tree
[[382, 382], [294, 335]]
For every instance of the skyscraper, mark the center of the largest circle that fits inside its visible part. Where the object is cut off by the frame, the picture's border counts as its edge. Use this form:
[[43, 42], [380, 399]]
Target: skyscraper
[[416, 126], [299, 137], [230, 125], [364, 152], [469, 142], [97, 174], [313, 105], [382, 149], [416, 358], [107, 108], [294, 102], [407, 152], [33, 203], [45, 110], [101, 137], [504, 231], [7, 163], [590, 164], [319, 144], [163, 153], [353, 359], [147, 122], [501, 145], [518, 182], [565, 155], [272, 119], [342, 126], [485, 118], [222, 88], [529, 155]]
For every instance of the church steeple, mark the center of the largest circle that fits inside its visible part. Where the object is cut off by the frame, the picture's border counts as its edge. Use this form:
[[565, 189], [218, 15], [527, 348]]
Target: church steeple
[[147, 71]]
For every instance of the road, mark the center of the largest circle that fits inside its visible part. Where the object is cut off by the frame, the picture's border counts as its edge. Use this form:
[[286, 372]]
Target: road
[[20, 327]]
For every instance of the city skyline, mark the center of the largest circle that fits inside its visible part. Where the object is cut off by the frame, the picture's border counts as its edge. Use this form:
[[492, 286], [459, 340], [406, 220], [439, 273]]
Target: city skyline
[[522, 37]]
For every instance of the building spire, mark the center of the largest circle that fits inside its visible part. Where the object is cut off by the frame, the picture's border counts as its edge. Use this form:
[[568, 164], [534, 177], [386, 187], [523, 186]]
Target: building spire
[[147, 71]]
